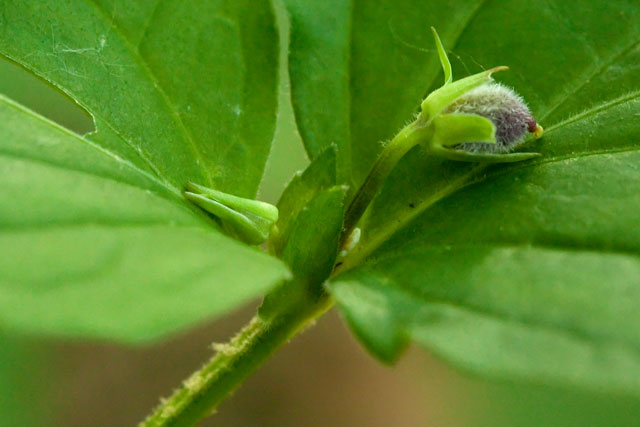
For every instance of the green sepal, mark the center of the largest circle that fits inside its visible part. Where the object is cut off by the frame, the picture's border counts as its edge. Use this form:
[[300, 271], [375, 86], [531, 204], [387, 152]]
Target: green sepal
[[464, 156], [248, 220], [453, 129], [444, 59], [255, 207], [441, 98]]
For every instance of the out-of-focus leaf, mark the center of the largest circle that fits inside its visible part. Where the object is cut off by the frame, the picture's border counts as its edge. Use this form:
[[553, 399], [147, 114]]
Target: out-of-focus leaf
[[94, 247]]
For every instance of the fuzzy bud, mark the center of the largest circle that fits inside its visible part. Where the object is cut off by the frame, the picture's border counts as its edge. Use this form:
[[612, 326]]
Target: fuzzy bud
[[504, 108]]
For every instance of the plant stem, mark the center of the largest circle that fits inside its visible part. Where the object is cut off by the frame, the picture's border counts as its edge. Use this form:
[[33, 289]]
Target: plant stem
[[206, 388], [234, 362], [410, 136]]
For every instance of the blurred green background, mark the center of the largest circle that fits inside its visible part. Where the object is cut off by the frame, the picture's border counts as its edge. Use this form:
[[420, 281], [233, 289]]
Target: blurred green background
[[322, 378]]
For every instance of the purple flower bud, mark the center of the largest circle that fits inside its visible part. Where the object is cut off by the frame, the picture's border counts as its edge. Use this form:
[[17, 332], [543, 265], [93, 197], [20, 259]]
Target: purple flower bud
[[506, 110]]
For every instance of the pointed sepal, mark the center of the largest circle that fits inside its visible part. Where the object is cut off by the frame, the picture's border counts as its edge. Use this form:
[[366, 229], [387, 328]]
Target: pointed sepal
[[454, 129], [451, 130], [441, 98], [444, 59], [248, 220]]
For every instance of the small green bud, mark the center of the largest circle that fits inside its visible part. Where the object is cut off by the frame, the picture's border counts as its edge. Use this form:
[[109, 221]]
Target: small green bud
[[249, 220]]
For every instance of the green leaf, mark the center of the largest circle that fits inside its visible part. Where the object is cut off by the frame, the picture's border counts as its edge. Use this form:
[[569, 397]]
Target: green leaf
[[312, 243], [184, 90], [529, 270], [312, 247], [92, 246], [318, 65], [98, 239], [22, 368], [303, 187], [504, 310]]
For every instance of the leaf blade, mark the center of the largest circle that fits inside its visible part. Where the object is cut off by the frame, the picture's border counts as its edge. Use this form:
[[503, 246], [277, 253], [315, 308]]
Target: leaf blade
[[95, 247], [318, 48], [95, 281], [191, 128], [494, 330]]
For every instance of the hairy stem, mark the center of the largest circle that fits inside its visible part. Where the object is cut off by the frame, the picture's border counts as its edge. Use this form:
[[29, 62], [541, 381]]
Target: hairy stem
[[232, 364]]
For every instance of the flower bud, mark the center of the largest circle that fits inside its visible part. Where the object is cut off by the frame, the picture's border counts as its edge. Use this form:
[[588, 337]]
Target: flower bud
[[468, 120], [248, 220], [504, 108]]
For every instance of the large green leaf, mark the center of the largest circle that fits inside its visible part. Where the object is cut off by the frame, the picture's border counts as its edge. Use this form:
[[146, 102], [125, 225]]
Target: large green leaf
[[528, 270], [97, 239], [319, 66], [93, 246], [185, 90]]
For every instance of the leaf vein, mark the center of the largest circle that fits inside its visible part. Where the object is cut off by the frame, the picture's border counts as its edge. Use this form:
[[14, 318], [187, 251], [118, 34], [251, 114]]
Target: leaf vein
[[596, 72], [152, 77], [102, 150], [82, 171], [586, 337], [594, 110]]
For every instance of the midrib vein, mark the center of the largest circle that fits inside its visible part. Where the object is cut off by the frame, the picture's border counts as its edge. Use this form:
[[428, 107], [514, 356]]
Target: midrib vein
[[360, 253], [93, 145], [156, 84], [596, 72], [176, 194], [506, 245], [594, 110]]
